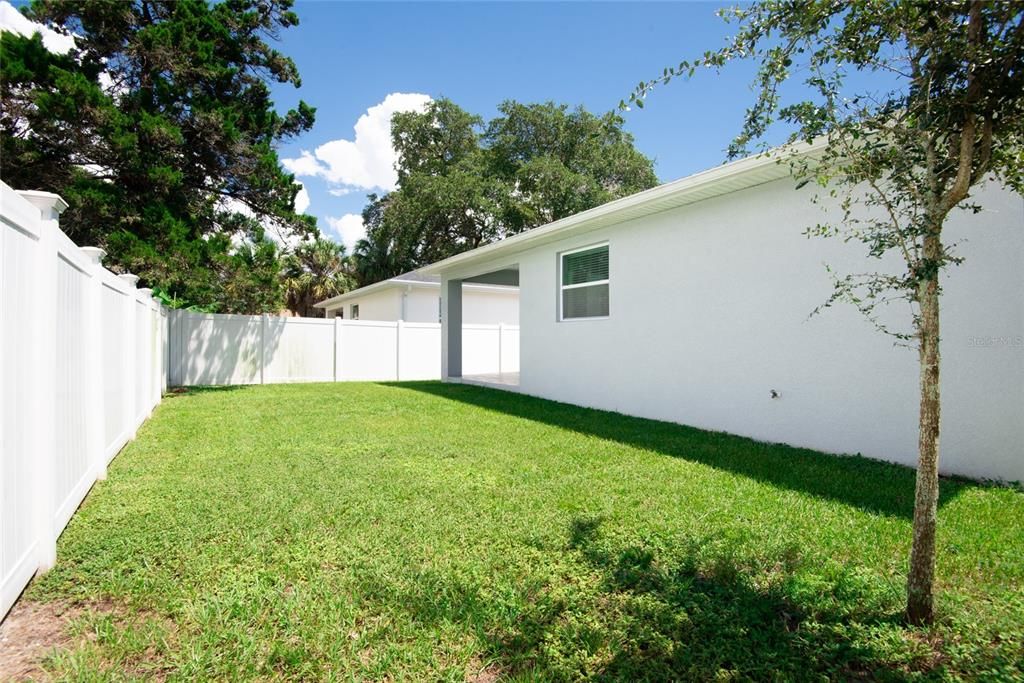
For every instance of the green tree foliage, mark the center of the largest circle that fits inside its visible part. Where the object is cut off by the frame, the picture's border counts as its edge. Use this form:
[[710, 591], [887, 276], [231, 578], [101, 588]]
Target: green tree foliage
[[158, 129], [385, 252], [899, 162], [251, 278], [463, 184], [315, 271]]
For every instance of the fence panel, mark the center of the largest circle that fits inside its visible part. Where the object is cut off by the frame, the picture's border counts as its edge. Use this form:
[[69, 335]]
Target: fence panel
[[420, 351], [207, 349], [163, 346], [114, 347], [219, 349], [19, 244], [509, 354], [142, 360], [79, 368], [298, 350], [367, 350], [73, 468], [481, 349]]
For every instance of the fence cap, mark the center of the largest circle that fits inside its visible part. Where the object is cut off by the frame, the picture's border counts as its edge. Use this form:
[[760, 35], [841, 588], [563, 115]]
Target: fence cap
[[45, 201], [146, 292], [132, 280], [94, 254]]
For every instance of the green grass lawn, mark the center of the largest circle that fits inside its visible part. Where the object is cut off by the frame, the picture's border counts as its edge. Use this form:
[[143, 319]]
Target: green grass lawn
[[443, 532]]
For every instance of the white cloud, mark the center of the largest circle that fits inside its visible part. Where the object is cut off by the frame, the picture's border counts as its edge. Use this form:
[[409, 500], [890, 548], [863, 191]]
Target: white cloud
[[301, 199], [14, 21], [304, 165], [349, 229], [58, 43], [284, 237], [366, 162]]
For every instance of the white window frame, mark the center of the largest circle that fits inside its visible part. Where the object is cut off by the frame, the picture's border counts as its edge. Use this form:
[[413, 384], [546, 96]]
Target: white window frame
[[354, 312], [562, 288]]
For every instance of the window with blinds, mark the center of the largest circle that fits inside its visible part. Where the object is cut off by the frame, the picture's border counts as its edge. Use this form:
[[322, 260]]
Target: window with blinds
[[584, 283]]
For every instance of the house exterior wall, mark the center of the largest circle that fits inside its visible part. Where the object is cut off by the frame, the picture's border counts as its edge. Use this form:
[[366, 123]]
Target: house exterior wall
[[709, 312], [380, 305], [422, 304], [491, 306]]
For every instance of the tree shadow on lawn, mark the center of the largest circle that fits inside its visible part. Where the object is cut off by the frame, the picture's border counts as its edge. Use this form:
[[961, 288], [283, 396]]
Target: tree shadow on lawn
[[696, 619], [688, 617], [871, 485]]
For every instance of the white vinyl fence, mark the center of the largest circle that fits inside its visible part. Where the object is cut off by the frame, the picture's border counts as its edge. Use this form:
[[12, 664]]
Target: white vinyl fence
[[82, 364], [213, 349], [85, 357]]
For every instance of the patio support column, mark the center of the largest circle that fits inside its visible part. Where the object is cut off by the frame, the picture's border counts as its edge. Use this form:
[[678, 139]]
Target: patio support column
[[451, 329]]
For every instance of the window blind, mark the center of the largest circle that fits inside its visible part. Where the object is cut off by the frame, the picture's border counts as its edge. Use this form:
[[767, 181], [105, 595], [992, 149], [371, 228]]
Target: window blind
[[585, 283], [585, 266]]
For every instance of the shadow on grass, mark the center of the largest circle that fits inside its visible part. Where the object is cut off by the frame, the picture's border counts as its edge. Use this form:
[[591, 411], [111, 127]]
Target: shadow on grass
[[692, 619], [870, 485], [174, 392], [694, 616]]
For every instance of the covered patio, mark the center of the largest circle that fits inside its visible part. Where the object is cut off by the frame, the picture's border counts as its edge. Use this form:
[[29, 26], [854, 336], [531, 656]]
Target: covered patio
[[501, 380], [456, 365]]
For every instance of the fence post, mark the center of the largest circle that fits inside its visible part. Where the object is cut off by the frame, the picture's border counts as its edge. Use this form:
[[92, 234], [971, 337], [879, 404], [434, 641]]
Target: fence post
[[175, 347], [337, 331], [171, 343], [339, 349], [45, 334], [95, 412], [398, 350], [145, 355], [264, 321], [130, 354], [501, 339]]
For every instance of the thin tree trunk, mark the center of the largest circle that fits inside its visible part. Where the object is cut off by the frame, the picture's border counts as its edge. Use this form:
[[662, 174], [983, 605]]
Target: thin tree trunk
[[921, 577]]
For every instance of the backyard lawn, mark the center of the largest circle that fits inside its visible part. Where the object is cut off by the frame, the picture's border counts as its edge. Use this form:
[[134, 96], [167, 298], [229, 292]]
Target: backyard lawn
[[426, 531]]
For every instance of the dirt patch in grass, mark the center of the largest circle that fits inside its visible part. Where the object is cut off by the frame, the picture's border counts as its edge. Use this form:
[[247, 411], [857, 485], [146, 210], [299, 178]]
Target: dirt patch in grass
[[34, 630], [30, 632], [478, 672]]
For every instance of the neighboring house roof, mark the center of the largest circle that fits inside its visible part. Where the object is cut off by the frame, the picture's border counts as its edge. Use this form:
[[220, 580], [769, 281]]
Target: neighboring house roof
[[413, 276], [410, 279], [731, 177]]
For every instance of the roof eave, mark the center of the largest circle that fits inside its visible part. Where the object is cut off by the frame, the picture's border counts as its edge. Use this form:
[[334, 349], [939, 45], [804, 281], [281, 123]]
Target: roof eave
[[675, 190], [370, 289]]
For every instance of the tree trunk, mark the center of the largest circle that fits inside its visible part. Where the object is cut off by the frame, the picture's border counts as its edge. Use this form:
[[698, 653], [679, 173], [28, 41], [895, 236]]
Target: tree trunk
[[920, 579]]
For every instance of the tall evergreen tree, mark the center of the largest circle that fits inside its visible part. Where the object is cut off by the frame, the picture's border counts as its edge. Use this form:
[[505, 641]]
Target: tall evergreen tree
[[157, 128]]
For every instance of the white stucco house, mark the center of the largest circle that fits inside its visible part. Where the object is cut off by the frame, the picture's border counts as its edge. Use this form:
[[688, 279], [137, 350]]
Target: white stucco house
[[416, 298], [691, 303]]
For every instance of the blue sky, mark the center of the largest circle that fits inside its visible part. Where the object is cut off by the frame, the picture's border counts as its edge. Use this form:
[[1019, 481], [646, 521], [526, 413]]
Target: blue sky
[[353, 55]]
